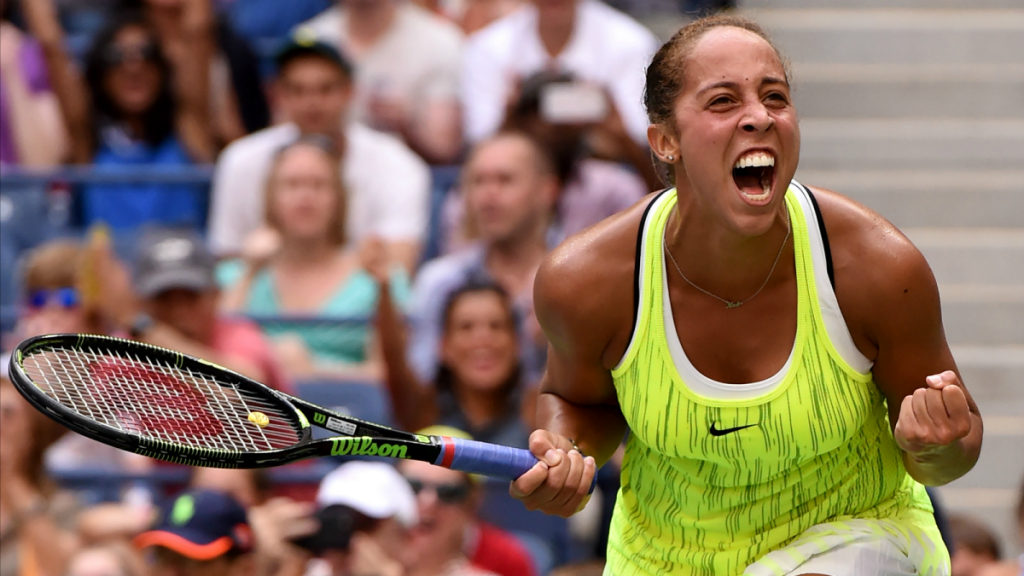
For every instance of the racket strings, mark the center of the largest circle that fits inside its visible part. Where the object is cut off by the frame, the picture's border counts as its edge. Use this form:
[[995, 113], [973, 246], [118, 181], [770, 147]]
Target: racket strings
[[157, 400]]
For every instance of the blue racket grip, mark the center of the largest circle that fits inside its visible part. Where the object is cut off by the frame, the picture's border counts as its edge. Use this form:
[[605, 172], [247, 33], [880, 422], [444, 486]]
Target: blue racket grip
[[489, 459]]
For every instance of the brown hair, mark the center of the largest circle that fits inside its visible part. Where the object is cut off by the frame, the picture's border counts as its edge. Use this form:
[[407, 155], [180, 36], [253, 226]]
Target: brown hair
[[974, 535], [666, 74], [53, 265], [336, 232]]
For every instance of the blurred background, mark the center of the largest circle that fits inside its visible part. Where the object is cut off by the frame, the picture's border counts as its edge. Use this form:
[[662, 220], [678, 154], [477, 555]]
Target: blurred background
[[348, 199]]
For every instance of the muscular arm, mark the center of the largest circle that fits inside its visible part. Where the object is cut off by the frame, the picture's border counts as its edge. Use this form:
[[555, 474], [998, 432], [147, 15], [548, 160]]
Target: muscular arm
[[583, 297], [893, 311], [577, 397], [911, 347]]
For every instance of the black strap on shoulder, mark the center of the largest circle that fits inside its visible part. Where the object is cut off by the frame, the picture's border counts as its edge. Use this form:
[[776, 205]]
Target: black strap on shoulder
[[638, 264], [824, 237]]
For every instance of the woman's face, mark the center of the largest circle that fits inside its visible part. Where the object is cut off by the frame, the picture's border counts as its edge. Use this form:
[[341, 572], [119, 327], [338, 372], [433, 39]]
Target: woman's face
[[479, 344], [735, 109], [52, 311], [133, 77], [303, 193]]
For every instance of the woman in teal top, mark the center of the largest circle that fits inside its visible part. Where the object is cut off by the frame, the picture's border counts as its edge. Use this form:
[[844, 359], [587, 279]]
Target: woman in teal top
[[301, 266]]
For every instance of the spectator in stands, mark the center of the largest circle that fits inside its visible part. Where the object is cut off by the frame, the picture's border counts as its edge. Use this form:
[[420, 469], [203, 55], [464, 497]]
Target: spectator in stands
[[134, 108], [585, 37], [36, 521], [238, 104], [1012, 567], [54, 301], [591, 189], [568, 139], [107, 559], [31, 128], [201, 533], [175, 277], [388, 186], [309, 269], [471, 15], [510, 191], [449, 537], [478, 383], [364, 511], [974, 546], [406, 71]]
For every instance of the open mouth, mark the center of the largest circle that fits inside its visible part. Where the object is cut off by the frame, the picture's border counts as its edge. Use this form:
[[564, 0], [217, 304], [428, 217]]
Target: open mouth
[[754, 174]]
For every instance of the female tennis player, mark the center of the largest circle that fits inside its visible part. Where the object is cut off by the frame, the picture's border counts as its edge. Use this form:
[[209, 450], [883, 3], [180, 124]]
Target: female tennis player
[[776, 350]]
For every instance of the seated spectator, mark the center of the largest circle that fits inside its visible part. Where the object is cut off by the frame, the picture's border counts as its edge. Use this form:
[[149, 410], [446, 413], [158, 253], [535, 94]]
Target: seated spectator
[[201, 533], [591, 189], [569, 139], [448, 534], [510, 190], [364, 511], [585, 37], [310, 270], [478, 382], [1012, 567], [108, 559], [406, 71], [31, 128], [36, 521], [134, 108], [53, 302], [974, 546], [238, 105], [175, 278], [388, 186]]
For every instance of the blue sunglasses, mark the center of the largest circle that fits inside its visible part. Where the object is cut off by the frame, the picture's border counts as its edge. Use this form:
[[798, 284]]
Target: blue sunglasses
[[63, 297]]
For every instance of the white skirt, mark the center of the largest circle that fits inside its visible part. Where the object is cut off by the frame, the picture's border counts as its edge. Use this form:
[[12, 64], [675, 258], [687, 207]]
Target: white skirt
[[858, 548]]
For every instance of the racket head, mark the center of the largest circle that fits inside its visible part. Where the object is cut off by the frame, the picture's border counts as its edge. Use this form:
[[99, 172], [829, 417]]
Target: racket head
[[157, 402]]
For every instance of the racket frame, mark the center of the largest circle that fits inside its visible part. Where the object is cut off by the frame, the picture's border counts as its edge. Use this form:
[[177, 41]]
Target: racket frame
[[362, 438]]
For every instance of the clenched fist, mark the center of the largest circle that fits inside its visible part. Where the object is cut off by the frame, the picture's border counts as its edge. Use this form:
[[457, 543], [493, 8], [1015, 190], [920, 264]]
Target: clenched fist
[[933, 417], [560, 483]]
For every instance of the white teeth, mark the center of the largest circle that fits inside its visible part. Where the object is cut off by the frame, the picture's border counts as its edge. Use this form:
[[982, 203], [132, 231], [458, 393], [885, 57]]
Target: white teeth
[[755, 159]]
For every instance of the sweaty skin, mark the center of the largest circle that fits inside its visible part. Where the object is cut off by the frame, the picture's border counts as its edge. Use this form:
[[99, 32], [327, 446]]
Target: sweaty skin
[[732, 102]]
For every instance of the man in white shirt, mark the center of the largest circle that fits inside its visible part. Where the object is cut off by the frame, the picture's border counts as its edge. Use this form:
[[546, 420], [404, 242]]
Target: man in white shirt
[[594, 42], [387, 185], [406, 71]]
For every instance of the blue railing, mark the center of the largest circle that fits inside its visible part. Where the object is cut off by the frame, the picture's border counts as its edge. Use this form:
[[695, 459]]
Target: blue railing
[[159, 174]]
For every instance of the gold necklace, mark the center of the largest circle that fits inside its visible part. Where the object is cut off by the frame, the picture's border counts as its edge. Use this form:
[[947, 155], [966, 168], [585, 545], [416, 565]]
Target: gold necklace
[[733, 303]]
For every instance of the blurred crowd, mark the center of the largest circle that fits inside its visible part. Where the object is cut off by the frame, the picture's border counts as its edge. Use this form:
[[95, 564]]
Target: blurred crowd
[[387, 177]]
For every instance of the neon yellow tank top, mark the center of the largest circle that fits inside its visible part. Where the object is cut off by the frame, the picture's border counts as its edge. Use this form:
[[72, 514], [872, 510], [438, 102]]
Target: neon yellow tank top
[[717, 475]]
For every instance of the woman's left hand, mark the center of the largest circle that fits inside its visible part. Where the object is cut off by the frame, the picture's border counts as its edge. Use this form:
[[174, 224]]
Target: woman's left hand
[[933, 417]]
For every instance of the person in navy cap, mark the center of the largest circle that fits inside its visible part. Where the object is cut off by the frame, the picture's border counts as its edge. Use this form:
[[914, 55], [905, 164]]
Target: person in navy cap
[[201, 533]]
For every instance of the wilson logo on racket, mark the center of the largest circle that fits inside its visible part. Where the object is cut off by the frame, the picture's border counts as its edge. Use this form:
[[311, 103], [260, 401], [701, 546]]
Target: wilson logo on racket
[[125, 387], [319, 418], [366, 446]]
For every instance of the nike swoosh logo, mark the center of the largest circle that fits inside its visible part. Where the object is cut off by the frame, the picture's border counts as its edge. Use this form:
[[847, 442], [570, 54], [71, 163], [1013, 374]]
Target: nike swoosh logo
[[717, 432]]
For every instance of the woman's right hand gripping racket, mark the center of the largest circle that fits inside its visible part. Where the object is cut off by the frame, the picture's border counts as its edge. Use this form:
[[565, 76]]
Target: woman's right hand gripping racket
[[159, 403]]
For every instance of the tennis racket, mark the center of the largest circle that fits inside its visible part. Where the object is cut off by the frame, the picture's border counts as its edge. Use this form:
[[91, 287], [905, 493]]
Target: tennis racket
[[166, 405]]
